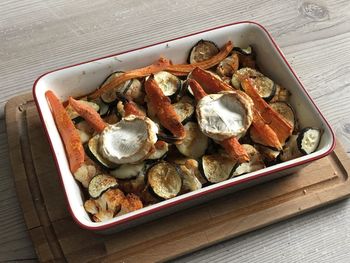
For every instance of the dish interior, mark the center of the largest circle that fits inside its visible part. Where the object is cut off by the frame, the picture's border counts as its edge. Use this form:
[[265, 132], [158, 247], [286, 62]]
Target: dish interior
[[85, 78]]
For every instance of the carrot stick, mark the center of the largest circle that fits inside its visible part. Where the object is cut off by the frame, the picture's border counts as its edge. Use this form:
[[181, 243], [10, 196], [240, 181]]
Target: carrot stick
[[163, 108], [281, 127], [159, 65], [130, 108], [197, 90], [184, 69], [235, 150], [208, 81], [89, 114], [164, 64], [264, 132], [70, 136]]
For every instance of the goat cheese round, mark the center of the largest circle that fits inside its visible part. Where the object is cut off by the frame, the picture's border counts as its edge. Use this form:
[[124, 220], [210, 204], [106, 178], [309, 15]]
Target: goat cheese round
[[221, 116], [129, 140]]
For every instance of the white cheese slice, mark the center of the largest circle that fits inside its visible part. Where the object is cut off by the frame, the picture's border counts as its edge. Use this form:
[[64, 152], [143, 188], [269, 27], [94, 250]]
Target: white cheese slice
[[222, 116], [129, 140]]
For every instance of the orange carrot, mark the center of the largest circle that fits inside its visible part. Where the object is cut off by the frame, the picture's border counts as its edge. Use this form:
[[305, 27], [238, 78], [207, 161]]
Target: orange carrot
[[278, 124], [184, 69], [235, 150], [164, 64], [159, 145], [89, 114], [159, 65], [69, 135], [209, 82], [130, 108], [163, 108], [263, 131], [197, 89]]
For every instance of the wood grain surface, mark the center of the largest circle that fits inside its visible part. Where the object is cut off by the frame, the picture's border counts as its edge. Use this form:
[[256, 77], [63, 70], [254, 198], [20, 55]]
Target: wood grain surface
[[37, 36]]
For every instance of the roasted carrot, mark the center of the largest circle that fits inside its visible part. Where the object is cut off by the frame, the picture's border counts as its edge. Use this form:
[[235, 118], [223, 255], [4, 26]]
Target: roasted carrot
[[197, 89], [89, 114], [235, 150], [164, 64], [184, 69], [130, 108], [208, 81], [278, 124], [163, 108], [264, 132], [159, 144], [159, 65], [69, 135]]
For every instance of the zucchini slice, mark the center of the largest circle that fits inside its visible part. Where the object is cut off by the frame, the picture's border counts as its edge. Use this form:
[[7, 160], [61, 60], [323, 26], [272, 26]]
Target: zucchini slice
[[203, 50], [92, 150], [266, 88], [246, 56], [228, 66], [134, 92], [269, 155], [100, 184], [160, 152], [190, 182], [112, 94], [164, 180], [128, 171], [308, 140], [217, 168], [74, 116], [256, 162], [285, 110], [185, 111], [168, 83], [195, 143], [290, 150]]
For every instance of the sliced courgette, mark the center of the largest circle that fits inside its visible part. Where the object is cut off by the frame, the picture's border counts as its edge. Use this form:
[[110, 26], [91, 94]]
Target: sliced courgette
[[134, 92], [92, 150], [190, 181], [185, 111], [309, 139], [255, 163], [195, 143], [100, 184], [285, 110], [203, 50], [128, 171], [168, 83], [160, 152], [265, 87], [164, 179], [111, 95], [217, 168]]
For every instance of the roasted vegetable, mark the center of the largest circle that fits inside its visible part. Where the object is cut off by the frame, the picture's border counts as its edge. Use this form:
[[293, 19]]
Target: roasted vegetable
[[164, 180], [217, 168], [112, 94], [101, 183], [168, 83], [308, 140], [92, 149], [255, 163], [203, 50], [195, 143], [70, 136], [128, 171]]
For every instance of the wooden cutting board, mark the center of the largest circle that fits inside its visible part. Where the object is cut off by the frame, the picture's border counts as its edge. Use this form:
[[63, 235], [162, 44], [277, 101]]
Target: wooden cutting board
[[57, 238]]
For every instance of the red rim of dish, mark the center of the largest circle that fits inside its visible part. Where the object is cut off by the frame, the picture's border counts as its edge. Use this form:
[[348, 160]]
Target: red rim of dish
[[204, 191]]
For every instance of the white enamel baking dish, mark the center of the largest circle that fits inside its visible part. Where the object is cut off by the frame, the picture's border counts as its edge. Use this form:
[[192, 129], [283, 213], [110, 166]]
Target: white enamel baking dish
[[83, 78]]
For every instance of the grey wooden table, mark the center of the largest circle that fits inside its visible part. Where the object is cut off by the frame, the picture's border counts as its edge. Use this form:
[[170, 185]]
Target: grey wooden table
[[37, 36]]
